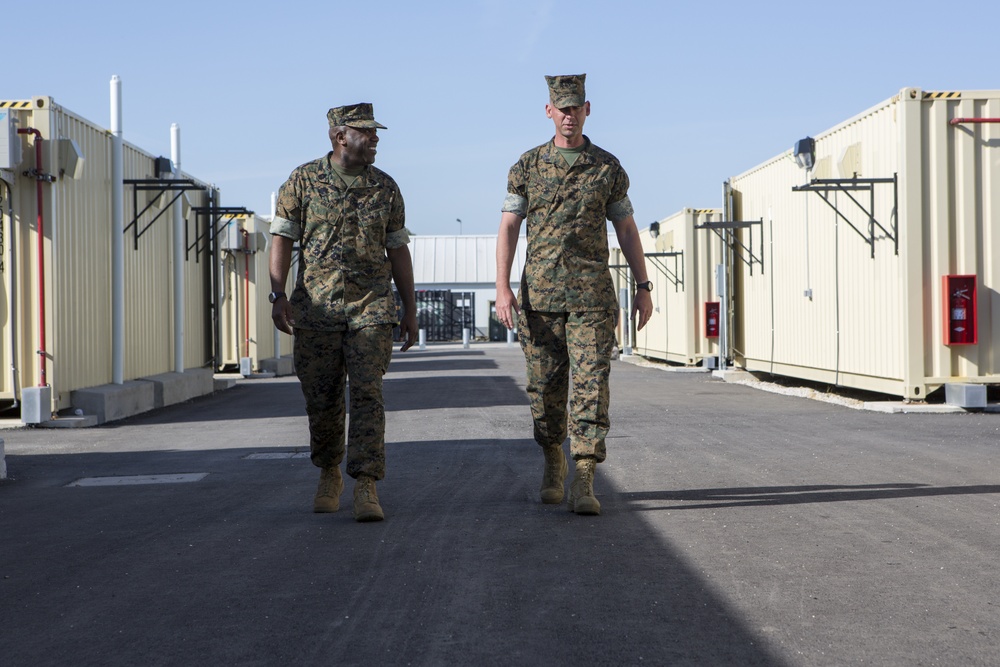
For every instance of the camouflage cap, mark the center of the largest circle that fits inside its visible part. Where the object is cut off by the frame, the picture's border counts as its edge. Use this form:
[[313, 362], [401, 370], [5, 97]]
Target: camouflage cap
[[567, 90], [353, 115]]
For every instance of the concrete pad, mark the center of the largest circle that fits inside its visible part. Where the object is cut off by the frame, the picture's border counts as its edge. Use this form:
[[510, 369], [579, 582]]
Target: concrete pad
[[223, 383], [279, 366], [110, 402], [172, 388]]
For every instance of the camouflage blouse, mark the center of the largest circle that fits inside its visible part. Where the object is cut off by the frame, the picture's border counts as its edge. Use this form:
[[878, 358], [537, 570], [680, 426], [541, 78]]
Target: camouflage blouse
[[566, 268], [344, 277]]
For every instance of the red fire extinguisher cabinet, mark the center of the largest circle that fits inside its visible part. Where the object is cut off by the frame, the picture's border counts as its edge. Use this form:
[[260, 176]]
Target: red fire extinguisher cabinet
[[958, 296], [711, 319]]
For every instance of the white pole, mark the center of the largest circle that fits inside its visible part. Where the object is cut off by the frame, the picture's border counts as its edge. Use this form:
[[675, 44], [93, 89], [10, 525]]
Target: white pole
[[465, 339], [117, 236], [179, 224], [422, 338], [724, 293]]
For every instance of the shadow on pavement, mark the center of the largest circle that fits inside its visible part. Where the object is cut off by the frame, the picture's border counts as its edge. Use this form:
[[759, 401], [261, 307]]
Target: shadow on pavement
[[468, 568], [796, 495], [465, 391]]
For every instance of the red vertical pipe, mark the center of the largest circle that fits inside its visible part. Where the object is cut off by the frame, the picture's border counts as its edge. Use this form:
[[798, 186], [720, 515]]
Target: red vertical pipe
[[39, 177], [246, 288]]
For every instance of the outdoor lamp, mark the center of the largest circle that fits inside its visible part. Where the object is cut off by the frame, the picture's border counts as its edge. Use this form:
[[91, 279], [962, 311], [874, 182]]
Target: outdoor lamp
[[654, 229], [805, 152]]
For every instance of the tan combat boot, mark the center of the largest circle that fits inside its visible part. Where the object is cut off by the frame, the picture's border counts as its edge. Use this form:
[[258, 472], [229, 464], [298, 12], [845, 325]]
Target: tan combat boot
[[554, 477], [328, 493], [581, 491], [366, 507]]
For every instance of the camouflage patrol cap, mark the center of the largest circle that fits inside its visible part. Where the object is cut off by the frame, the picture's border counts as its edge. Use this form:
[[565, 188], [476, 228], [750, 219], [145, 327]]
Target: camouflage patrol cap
[[567, 90], [353, 115]]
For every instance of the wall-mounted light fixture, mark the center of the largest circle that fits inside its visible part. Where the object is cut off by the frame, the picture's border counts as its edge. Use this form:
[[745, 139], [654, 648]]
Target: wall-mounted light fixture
[[162, 167], [654, 229], [805, 152]]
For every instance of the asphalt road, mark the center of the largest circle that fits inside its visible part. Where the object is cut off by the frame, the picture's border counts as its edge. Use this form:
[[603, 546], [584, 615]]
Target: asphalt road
[[739, 527]]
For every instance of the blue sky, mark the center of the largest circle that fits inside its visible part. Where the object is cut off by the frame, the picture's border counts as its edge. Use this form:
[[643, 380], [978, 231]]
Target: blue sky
[[686, 94]]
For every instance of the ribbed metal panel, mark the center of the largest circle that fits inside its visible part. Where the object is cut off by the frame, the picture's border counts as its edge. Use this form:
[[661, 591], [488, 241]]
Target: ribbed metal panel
[[79, 262], [460, 259]]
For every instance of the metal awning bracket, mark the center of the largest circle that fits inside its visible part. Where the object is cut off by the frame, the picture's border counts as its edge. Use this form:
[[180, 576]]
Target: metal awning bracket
[[726, 230], [223, 214], [159, 186], [674, 274], [824, 186]]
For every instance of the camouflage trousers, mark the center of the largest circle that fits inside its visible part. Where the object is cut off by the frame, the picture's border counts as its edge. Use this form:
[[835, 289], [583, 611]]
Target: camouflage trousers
[[324, 360], [558, 347]]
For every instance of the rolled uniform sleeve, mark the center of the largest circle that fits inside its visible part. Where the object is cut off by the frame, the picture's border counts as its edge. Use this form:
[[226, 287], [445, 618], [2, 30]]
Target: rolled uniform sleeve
[[516, 201], [288, 212], [619, 210], [396, 233], [619, 205], [285, 227]]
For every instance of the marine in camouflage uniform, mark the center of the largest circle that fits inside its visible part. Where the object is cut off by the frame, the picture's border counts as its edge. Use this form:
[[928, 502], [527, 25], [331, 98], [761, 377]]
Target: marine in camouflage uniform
[[347, 218], [567, 189]]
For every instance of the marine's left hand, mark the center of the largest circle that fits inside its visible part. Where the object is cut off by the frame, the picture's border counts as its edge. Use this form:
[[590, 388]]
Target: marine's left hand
[[643, 305], [408, 330]]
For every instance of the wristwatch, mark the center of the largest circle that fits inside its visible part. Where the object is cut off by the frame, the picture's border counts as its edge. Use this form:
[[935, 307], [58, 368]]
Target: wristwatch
[[648, 286], [274, 296]]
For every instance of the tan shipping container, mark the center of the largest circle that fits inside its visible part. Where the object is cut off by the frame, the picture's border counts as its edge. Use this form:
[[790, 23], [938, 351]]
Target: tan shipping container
[[856, 249], [76, 157], [681, 256]]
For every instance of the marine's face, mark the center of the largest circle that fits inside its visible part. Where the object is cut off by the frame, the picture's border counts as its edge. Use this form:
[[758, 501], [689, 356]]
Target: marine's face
[[360, 146], [569, 121]]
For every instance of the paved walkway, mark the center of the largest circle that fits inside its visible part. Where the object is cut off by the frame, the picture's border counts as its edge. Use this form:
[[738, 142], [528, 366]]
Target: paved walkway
[[739, 527]]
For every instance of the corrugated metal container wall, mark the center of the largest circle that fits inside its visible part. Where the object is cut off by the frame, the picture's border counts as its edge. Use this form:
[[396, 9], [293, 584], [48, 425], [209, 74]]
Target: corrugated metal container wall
[[681, 262], [835, 302], [954, 198], [148, 280], [20, 329], [78, 230], [79, 225], [819, 275]]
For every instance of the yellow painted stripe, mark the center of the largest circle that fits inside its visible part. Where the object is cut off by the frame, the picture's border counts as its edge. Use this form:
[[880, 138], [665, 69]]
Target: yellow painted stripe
[[942, 96], [15, 105]]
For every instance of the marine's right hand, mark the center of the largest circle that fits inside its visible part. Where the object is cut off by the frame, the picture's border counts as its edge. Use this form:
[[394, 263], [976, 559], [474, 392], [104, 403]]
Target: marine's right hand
[[507, 309], [281, 315]]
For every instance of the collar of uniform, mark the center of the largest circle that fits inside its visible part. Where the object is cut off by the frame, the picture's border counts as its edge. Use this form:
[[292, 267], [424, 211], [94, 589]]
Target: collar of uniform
[[551, 153], [328, 175]]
